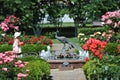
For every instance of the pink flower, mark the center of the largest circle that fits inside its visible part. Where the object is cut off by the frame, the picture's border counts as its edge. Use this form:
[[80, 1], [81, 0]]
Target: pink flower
[[18, 62], [16, 28], [21, 75], [1, 62], [109, 21], [104, 17], [3, 25], [1, 55], [25, 63], [21, 65], [5, 69], [113, 14], [115, 25], [119, 22]]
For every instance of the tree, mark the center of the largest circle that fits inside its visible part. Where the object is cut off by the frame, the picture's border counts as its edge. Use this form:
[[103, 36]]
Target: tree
[[28, 11], [96, 8], [56, 10], [77, 10]]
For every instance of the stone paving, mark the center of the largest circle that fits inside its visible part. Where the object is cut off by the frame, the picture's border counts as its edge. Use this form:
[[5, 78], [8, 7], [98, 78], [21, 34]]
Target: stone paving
[[76, 74]]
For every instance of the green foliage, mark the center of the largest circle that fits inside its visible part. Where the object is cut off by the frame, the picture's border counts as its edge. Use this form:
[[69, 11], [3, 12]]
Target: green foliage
[[29, 58], [27, 48], [96, 69], [89, 31], [111, 49], [38, 68], [118, 36], [96, 8], [32, 48], [12, 69], [50, 34], [5, 47]]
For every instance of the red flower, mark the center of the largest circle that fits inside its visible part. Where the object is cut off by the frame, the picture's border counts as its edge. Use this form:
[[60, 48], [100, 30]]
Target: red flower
[[93, 50], [97, 53], [85, 47], [0, 42], [93, 46], [86, 59], [103, 44], [11, 41], [96, 46], [118, 48], [101, 56], [97, 42]]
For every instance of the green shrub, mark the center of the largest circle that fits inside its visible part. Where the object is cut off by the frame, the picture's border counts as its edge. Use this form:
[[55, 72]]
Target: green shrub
[[111, 49], [100, 69], [39, 68], [5, 47], [30, 48], [27, 48], [90, 30]]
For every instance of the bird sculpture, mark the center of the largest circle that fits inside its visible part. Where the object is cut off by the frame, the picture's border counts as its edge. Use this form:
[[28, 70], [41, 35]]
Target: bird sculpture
[[65, 41], [45, 54]]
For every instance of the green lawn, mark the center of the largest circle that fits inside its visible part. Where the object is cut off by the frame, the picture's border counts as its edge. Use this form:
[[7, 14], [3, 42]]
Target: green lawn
[[65, 24], [73, 39]]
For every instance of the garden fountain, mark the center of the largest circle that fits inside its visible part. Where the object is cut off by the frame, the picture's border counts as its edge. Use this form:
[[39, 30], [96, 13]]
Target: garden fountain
[[64, 55]]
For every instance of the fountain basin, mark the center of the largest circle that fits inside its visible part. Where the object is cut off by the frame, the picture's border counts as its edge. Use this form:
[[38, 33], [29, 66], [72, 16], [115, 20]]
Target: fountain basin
[[56, 64]]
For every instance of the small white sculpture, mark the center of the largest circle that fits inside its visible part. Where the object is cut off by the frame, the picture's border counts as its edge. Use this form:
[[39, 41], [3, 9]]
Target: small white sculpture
[[45, 54], [83, 54]]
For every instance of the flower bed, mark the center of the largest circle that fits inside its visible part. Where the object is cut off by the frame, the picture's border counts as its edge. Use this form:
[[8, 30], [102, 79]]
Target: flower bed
[[103, 63]]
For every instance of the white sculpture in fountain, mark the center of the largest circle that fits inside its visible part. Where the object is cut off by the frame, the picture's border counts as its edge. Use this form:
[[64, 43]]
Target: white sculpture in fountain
[[83, 54], [45, 54]]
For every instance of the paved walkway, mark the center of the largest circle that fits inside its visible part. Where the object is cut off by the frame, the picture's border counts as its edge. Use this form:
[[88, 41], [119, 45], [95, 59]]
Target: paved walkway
[[76, 74]]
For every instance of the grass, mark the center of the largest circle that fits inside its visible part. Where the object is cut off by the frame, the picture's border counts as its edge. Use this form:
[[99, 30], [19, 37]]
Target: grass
[[65, 24], [73, 39]]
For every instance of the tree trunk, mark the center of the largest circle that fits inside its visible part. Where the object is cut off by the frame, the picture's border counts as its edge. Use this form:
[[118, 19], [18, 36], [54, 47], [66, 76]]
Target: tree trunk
[[76, 27]]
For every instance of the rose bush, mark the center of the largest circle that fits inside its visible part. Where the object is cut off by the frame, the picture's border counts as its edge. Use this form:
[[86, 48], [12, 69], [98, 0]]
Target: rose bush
[[112, 19], [10, 67], [10, 22], [95, 47]]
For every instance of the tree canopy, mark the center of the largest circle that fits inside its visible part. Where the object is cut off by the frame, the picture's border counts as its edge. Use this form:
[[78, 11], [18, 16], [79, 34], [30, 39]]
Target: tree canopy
[[33, 11]]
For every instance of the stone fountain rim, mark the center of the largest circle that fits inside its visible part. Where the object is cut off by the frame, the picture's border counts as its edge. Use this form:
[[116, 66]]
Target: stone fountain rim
[[61, 61]]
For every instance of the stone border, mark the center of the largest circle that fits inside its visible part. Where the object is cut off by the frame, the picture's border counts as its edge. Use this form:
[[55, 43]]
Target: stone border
[[55, 64]]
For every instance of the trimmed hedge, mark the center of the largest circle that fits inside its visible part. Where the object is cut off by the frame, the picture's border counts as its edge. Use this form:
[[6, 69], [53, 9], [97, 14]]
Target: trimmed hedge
[[65, 31], [27, 48], [33, 48], [39, 68], [91, 30], [5, 47]]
